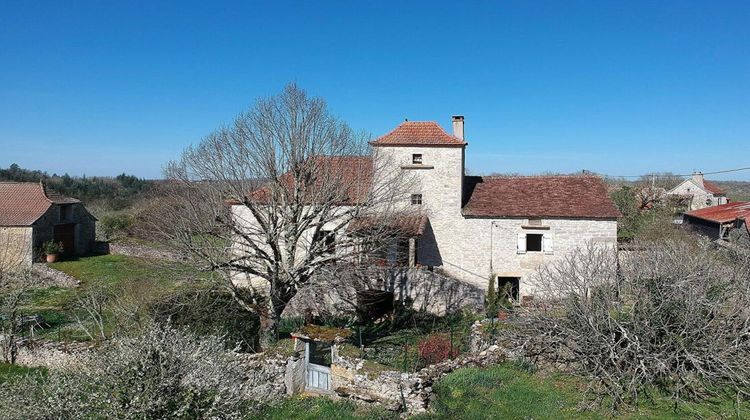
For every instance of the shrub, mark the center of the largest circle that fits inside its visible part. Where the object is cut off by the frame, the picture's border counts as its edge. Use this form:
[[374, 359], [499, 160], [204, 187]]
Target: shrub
[[52, 247], [161, 373], [436, 348], [209, 312], [490, 301], [114, 225], [673, 317]]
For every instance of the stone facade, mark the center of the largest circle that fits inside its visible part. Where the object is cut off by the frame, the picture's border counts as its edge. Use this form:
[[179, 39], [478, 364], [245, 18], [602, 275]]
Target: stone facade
[[84, 226], [700, 195], [16, 246], [472, 248]]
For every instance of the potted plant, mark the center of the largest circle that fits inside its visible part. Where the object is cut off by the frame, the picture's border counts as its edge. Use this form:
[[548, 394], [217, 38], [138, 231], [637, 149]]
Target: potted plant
[[52, 250]]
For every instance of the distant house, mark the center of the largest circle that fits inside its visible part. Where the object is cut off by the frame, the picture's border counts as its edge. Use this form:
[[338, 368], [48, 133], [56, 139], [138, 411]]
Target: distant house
[[730, 222], [699, 193], [32, 214]]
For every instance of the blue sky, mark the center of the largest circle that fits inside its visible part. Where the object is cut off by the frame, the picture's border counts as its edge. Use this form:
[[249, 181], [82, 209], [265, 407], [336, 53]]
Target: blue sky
[[621, 88]]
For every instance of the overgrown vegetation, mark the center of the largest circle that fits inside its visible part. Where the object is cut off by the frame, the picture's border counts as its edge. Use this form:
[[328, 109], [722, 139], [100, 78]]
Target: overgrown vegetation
[[673, 318], [161, 372]]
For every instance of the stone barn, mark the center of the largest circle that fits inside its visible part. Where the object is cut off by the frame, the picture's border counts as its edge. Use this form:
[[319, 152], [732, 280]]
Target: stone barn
[[32, 214]]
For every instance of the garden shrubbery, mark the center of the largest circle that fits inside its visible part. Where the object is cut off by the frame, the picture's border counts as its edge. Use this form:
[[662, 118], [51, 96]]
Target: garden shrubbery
[[159, 373]]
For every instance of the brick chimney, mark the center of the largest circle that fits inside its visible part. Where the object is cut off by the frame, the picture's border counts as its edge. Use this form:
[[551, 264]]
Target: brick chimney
[[698, 178], [458, 126]]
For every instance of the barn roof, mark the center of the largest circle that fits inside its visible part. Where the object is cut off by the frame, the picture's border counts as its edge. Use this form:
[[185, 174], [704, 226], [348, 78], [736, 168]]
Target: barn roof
[[23, 203], [724, 213], [418, 133], [581, 196]]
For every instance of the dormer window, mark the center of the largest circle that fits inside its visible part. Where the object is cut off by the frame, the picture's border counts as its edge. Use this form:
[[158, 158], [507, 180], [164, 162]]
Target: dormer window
[[416, 159]]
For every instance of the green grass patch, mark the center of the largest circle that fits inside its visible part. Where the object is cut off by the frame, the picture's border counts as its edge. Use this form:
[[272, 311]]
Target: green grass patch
[[9, 371], [137, 279], [314, 408], [514, 391]]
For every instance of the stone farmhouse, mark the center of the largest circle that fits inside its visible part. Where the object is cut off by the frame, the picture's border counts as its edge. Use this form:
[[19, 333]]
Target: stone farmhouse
[[502, 228], [478, 229], [32, 214], [699, 193]]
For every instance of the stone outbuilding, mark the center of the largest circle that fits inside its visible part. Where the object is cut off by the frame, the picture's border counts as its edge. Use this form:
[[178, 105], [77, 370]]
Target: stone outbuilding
[[32, 214]]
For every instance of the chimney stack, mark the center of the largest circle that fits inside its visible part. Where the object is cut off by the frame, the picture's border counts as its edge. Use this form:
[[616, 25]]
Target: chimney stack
[[458, 126], [698, 178]]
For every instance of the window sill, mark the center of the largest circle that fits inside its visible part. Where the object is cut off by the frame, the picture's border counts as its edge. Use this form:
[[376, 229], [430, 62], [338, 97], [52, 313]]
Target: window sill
[[413, 166]]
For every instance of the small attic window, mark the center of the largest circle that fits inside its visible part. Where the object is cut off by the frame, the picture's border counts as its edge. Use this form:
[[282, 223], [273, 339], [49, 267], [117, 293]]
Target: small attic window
[[416, 159]]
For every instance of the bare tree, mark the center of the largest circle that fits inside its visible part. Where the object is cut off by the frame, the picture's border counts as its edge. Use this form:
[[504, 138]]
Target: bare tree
[[270, 201], [16, 281], [674, 317]]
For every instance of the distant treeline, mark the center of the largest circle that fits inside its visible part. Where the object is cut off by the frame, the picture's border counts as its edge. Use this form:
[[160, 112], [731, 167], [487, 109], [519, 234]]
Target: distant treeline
[[117, 192]]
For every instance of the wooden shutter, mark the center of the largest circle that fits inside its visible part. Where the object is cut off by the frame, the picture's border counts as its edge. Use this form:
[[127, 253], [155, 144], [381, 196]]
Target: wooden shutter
[[547, 243], [521, 245]]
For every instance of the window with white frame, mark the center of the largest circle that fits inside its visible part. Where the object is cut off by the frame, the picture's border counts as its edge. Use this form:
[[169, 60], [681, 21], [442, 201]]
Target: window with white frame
[[416, 158], [416, 199], [534, 242]]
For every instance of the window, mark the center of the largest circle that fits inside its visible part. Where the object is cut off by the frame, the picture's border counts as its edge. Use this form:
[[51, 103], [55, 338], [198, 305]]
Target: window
[[328, 238], [534, 242], [416, 158], [416, 199]]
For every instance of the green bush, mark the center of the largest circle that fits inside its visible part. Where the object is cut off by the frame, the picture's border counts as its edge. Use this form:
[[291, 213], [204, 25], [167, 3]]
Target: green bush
[[210, 312], [115, 225]]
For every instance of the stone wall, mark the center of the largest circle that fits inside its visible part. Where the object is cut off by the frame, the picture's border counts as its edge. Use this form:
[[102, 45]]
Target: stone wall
[[479, 240], [15, 247], [429, 291]]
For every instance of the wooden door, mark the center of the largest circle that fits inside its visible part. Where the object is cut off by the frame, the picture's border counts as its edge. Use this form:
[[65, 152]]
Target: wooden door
[[66, 234]]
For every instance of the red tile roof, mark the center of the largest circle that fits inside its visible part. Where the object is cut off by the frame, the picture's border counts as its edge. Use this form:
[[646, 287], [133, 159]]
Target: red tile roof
[[22, 203], [713, 188], [724, 213], [351, 173], [418, 133], [583, 197]]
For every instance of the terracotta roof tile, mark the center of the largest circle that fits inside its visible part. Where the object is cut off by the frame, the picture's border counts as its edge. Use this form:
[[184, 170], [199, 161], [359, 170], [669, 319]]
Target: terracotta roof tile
[[713, 188], [724, 213], [354, 173], [418, 133], [539, 196], [22, 203]]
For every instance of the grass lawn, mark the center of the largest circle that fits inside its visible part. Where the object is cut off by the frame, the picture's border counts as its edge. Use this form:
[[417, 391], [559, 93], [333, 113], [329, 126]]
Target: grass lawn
[[314, 408], [8, 370], [511, 391], [136, 276]]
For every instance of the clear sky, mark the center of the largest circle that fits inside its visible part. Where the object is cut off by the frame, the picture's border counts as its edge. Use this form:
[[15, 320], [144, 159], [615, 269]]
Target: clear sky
[[617, 87]]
